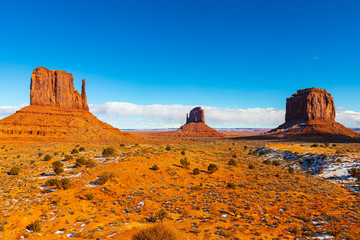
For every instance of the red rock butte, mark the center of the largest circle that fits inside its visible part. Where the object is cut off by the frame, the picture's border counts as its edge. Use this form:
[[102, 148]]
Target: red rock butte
[[195, 127], [58, 113], [310, 113]]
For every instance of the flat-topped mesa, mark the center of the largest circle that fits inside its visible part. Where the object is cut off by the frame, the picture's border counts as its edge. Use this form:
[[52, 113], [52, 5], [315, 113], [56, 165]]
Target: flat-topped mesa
[[196, 115], [56, 88], [310, 104]]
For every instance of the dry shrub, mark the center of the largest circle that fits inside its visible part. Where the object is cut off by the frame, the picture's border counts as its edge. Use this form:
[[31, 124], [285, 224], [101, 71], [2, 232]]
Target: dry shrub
[[158, 232]]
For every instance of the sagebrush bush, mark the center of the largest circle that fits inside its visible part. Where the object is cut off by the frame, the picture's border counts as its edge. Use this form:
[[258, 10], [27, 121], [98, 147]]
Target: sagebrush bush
[[161, 215], [64, 183], [34, 226], [231, 185], [104, 177], [184, 163], [81, 149], [196, 171], [155, 168], [47, 157], [232, 162], [58, 167], [14, 170], [212, 168], [251, 166], [109, 151], [168, 148], [158, 232], [74, 151]]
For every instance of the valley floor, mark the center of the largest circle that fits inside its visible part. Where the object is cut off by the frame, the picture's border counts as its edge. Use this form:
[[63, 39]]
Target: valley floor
[[113, 197]]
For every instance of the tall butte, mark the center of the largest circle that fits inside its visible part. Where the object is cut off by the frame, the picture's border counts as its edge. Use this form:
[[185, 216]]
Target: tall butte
[[58, 113], [310, 113], [195, 126]]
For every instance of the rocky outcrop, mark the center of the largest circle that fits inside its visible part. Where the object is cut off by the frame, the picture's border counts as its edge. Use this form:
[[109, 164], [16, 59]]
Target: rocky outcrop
[[195, 127], [310, 113], [196, 115], [58, 113], [310, 104], [56, 88]]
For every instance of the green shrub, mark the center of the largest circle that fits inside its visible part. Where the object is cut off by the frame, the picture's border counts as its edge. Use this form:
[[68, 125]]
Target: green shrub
[[276, 163], [267, 162], [158, 232], [231, 185], [232, 162], [80, 162], [184, 163], [196, 171], [68, 157], [251, 166], [155, 168], [47, 157], [81, 149], [58, 167], [63, 183], [34, 226], [89, 196], [109, 151], [161, 215], [355, 172], [74, 151], [14, 170], [104, 177], [212, 168]]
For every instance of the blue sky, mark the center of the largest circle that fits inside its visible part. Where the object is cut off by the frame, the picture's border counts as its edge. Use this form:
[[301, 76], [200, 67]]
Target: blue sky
[[221, 54]]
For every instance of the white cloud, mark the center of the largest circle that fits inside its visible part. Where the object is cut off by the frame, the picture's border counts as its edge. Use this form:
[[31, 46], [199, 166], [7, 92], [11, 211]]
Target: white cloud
[[174, 115], [128, 115], [8, 110]]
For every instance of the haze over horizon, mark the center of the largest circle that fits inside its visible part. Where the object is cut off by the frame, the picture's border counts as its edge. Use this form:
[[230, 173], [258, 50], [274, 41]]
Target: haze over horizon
[[147, 64]]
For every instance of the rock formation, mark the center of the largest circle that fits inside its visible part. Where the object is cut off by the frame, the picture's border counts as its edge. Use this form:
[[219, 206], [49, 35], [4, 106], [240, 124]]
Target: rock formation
[[311, 113], [58, 113], [197, 115], [56, 88], [195, 127]]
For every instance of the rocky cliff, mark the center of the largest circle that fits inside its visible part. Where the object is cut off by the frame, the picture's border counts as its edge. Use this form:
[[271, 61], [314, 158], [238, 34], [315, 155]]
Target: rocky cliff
[[56, 88], [310, 104], [196, 115], [310, 113]]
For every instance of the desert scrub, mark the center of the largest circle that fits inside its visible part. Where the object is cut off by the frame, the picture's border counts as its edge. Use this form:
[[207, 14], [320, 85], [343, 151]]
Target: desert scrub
[[185, 163], [161, 215], [58, 167], [196, 171], [158, 232], [107, 152], [14, 170], [104, 177], [63, 183], [74, 151], [183, 152], [68, 157], [81, 149], [231, 185], [291, 170], [168, 148], [232, 162], [251, 166], [34, 226], [155, 168], [212, 168], [47, 157], [89, 196]]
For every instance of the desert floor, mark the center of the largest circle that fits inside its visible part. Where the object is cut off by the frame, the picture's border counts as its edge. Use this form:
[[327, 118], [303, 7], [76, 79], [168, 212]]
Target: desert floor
[[113, 197]]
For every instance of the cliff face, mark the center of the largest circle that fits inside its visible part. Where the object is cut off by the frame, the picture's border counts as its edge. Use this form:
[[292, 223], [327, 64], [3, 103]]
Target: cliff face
[[310, 104], [196, 115], [56, 88], [310, 113]]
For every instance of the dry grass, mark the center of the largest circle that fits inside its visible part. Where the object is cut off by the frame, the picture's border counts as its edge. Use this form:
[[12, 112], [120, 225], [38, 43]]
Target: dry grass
[[159, 232]]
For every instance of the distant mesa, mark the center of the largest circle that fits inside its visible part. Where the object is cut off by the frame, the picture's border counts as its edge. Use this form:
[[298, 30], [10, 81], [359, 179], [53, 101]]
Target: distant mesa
[[58, 113], [195, 126], [310, 113]]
